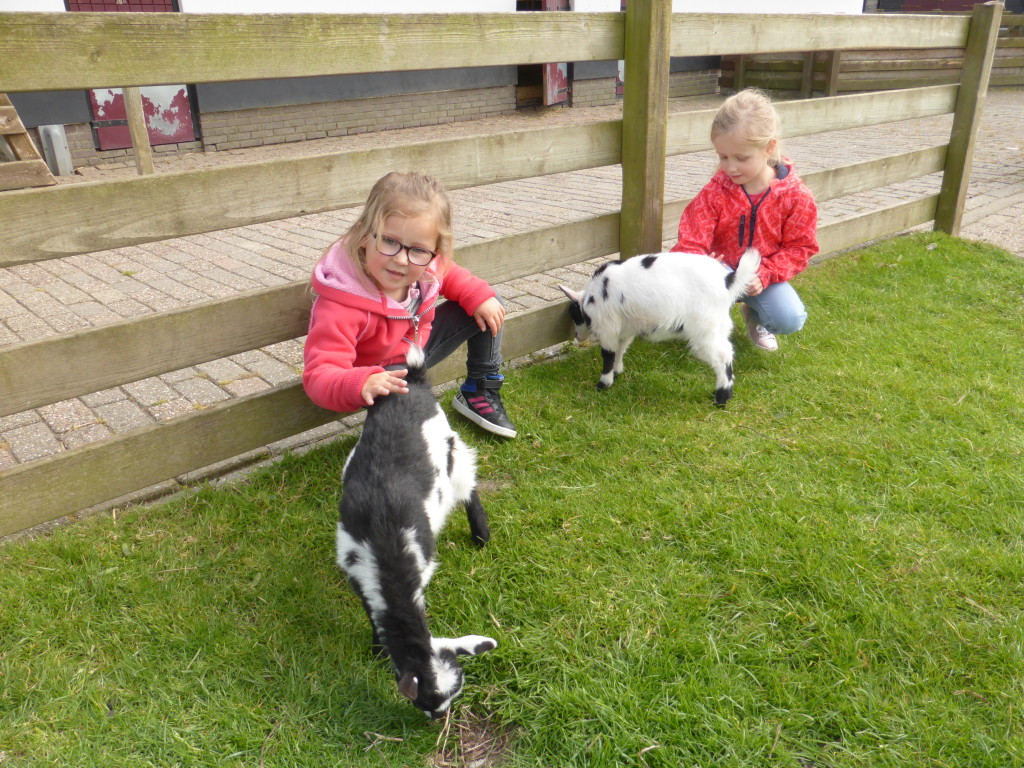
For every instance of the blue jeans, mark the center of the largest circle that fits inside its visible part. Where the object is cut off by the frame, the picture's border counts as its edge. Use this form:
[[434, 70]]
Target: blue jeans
[[778, 308], [452, 326]]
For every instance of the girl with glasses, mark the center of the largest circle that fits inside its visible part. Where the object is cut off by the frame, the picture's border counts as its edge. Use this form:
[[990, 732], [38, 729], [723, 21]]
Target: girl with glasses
[[379, 288]]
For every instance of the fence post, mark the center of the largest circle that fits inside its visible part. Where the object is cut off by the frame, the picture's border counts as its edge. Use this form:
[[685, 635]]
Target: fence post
[[137, 129], [644, 126], [970, 103], [832, 67]]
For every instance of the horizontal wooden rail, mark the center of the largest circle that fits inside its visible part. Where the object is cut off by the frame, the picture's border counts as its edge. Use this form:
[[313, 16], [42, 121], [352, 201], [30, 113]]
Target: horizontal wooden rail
[[80, 218], [77, 479], [689, 131], [105, 50], [99, 50], [42, 372], [863, 228], [700, 34]]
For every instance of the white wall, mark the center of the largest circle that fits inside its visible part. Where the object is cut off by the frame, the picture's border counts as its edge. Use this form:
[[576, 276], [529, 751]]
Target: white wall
[[31, 5], [759, 6], [343, 6]]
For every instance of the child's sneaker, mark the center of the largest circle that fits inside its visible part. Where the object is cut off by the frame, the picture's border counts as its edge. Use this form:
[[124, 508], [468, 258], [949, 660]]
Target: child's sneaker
[[478, 400], [760, 335]]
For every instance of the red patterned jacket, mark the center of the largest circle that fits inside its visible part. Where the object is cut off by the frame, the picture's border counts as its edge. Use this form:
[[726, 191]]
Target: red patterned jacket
[[782, 226]]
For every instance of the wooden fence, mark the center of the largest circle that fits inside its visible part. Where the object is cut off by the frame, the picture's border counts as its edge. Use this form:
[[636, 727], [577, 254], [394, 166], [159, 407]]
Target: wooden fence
[[830, 73], [43, 52]]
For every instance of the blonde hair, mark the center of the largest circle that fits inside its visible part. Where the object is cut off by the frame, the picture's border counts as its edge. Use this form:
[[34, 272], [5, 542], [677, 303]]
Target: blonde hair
[[402, 194], [752, 117]]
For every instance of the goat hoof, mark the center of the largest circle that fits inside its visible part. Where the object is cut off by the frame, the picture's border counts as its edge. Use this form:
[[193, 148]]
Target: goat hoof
[[602, 385]]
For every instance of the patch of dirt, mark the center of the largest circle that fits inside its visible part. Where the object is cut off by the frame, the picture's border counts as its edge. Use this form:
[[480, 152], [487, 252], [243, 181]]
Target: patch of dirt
[[468, 740]]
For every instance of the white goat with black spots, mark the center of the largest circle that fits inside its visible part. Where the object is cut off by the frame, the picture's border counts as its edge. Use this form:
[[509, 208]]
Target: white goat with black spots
[[406, 473], [664, 296]]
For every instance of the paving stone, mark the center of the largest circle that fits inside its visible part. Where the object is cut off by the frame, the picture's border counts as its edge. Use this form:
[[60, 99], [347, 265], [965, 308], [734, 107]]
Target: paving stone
[[149, 392], [103, 397], [123, 416], [90, 433], [172, 409], [221, 371], [67, 415], [247, 386], [32, 442], [201, 391]]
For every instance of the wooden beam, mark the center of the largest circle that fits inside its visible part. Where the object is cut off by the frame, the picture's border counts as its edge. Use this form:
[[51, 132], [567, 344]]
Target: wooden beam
[[93, 474], [138, 130], [970, 104], [106, 50], [700, 34], [644, 115], [689, 131], [95, 216], [863, 228], [833, 66], [21, 174], [38, 373], [807, 76]]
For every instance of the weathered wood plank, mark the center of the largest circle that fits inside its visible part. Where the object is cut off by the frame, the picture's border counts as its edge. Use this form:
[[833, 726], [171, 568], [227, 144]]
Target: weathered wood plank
[[77, 479], [645, 111], [970, 105], [137, 128], [891, 220], [20, 174], [93, 216], [105, 50], [698, 34], [690, 131], [9, 121], [50, 370], [47, 371]]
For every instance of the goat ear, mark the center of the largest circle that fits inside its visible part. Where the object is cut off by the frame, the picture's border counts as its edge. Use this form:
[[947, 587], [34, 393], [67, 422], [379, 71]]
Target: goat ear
[[573, 295], [409, 686]]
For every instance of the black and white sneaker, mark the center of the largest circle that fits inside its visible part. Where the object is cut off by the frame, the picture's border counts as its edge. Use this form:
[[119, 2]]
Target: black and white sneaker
[[480, 402]]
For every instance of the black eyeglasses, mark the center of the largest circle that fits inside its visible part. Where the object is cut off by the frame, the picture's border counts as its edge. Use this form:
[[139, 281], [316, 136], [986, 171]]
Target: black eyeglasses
[[391, 247]]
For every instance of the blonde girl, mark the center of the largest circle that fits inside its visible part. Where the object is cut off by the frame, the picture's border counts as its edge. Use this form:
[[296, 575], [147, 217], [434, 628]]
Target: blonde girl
[[390, 282], [755, 200]]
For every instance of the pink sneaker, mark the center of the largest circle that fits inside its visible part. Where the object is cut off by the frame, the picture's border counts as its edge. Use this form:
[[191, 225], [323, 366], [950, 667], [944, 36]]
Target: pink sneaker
[[758, 333]]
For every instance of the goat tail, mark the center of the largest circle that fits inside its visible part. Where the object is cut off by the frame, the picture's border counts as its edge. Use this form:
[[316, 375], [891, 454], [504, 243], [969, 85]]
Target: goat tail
[[745, 272], [415, 361]]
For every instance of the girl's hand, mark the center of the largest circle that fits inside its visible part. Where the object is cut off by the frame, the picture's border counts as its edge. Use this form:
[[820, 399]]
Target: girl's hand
[[755, 286], [384, 383], [719, 257], [490, 316]]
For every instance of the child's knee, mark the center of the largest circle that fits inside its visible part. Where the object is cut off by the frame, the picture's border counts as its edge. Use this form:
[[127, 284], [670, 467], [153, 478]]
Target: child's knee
[[789, 322]]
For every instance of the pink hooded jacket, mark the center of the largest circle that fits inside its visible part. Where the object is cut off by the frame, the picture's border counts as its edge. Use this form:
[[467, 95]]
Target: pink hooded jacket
[[355, 330]]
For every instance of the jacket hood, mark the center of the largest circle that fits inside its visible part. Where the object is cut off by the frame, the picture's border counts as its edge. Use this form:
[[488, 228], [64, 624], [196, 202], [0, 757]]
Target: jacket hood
[[338, 278], [789, 181]]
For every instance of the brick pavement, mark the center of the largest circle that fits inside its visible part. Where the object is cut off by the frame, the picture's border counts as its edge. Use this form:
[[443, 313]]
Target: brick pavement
[[64, 295]]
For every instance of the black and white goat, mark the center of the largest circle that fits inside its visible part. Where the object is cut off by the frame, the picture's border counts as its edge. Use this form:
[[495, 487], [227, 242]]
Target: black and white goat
[[664, 296], [406, 473]]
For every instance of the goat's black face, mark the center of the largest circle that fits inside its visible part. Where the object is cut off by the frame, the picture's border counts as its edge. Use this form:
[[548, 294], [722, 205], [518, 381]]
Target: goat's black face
[[433, 691]]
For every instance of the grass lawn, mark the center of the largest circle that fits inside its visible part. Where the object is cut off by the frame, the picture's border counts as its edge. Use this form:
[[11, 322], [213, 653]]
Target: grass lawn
[[829, 573]]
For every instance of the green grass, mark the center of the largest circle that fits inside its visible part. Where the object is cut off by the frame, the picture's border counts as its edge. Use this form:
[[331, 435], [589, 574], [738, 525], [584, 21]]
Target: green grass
[[829, 573]]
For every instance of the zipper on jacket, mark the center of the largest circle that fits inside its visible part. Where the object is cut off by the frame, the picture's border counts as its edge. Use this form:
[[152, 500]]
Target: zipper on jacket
[[743, 220], [753, 217]]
